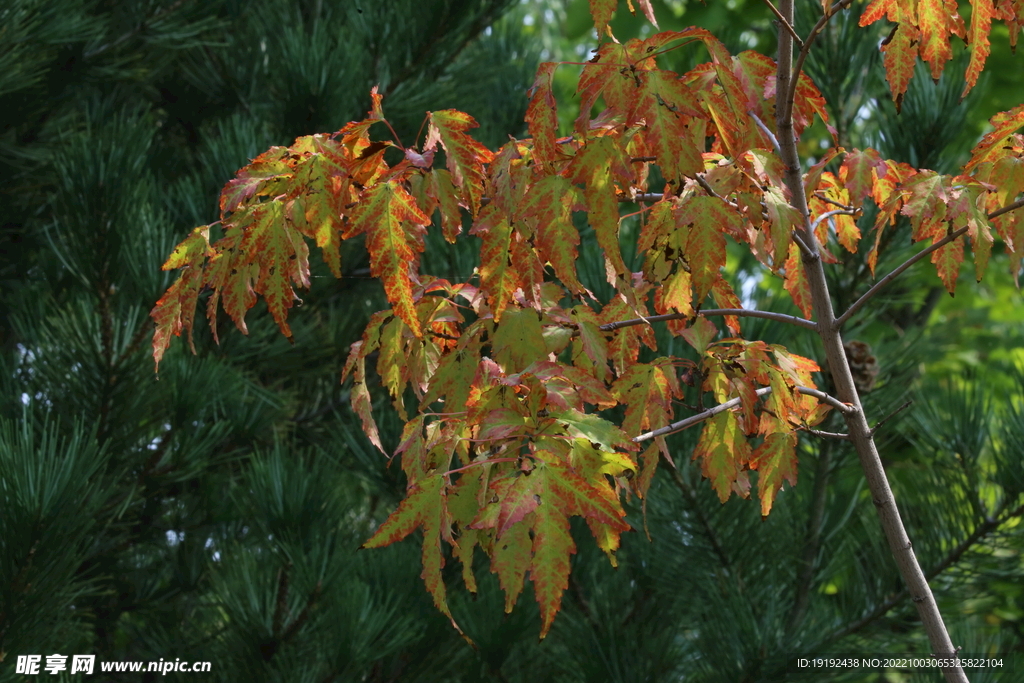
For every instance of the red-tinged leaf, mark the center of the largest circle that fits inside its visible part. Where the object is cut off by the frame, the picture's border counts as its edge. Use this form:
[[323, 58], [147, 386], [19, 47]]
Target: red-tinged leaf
[[550, 202], [649, 465], [542, 116], [667, 106], [796, 282], [602, 11], [424, 507], [443, 191], [603, 75], [455, 374], [595, 166], [723, 451], [756, 73], [888, 177], [858, 172], [797, 368], [982, 13], [947, 260], [1007, 174], [283, 259], [392, 362], [323, 189], [700, 334], [775, 461], [360, 399], [938, 20], [877, 9], [502, 423], [230, 274], [1012, 12], [497, 276], [647, 389], [807, 102], [517, 501], [900, 56], [384, 214], [263, 177], [675, 294], [176, 309], [725, 297], [705, 248], [465, 156], [926, 206], [518, 340], [812, 178], [990, 148]]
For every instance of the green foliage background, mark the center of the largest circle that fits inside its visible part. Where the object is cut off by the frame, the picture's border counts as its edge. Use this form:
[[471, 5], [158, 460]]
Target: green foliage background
[[214, 513]]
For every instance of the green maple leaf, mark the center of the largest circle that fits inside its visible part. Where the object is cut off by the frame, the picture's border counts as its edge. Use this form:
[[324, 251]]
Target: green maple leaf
[[518, 340]]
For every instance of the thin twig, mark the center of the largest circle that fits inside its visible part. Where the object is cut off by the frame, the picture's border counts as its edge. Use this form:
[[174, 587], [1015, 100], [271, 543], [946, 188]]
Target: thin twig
[[825, 435], [829, 214], [767, 131], [833, 202], [739, 312], [782, 20]]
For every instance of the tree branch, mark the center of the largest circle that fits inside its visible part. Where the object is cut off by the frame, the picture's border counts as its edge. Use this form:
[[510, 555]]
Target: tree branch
[[878, 286], [739, 312], [805, 49], [732, 403], [914, 259], [766, 130]]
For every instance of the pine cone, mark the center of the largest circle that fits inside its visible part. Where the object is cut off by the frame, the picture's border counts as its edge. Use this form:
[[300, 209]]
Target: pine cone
[[863, 365]]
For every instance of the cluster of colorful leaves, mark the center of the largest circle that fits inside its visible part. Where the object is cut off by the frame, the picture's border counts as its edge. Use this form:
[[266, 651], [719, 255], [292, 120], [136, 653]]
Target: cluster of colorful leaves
[[924, 28], [511, 370]]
